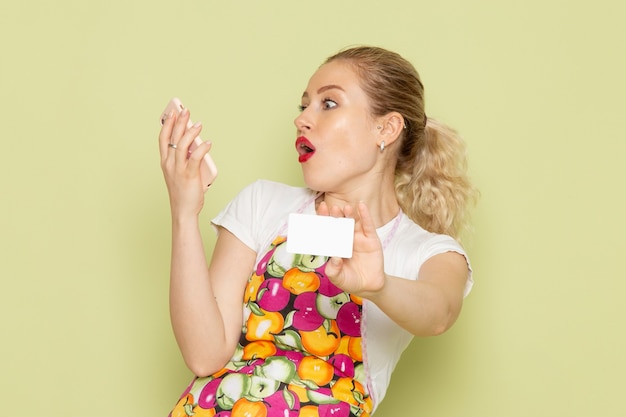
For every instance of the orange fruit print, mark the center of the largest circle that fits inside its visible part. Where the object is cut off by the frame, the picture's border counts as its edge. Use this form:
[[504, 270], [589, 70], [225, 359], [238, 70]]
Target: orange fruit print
[[259, 349], [298, 281], [264, 327], [316, 370], [322, 342], [247, 408], [252, 289]]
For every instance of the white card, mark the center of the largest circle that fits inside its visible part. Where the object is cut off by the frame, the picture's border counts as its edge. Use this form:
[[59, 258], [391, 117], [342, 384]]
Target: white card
[[310, 234]]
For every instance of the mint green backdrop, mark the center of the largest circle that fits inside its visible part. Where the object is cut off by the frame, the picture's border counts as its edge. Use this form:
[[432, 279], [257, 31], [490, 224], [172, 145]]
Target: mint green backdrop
[[537, 89]]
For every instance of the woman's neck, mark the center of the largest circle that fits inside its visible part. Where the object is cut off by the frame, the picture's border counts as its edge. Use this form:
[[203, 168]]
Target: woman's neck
[[381, 202]]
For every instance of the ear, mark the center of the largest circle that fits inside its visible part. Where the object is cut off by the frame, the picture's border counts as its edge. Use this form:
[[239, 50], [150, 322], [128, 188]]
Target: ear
[[391, 127]]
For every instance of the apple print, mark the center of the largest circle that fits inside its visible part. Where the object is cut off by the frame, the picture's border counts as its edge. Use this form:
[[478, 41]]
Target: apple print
[[344, 367], [262, 265], [322, 396], [310, 263], [208, 395], [340, 409], [288, 339], [261, 387], [279, 368], [283, 403], [306, 316], [294, 356], [349, 319], [250, 366], [327, 288], [281, 261], [232, 388], [328, 306], [272, 295], [359, 373]]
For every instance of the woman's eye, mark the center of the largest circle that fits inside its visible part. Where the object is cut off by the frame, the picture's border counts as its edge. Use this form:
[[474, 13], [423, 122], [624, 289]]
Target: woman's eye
[[329, 104]]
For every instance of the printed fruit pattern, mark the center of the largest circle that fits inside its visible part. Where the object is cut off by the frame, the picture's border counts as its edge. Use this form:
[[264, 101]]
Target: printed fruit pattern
[[299, 352]]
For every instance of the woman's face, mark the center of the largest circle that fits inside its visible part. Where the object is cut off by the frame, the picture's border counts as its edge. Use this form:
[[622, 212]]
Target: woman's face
[[336, 134]]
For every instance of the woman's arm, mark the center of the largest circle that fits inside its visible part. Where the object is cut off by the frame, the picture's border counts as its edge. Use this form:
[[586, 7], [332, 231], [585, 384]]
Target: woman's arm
[[205, 302], [425, 307], [429, 305]]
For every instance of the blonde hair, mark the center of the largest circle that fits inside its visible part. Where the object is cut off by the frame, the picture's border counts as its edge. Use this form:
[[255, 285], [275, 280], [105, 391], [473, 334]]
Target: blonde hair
[[432, 185]]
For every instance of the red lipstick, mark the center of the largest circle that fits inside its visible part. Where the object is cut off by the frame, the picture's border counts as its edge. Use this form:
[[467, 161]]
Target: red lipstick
[[305, 149]]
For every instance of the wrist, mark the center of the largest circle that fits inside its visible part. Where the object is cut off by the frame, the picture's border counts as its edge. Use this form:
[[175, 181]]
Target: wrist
[[183, 220], [377, 294]]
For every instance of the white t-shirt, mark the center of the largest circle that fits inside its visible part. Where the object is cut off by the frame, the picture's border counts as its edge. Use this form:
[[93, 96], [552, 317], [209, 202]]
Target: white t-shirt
[[259, 213]]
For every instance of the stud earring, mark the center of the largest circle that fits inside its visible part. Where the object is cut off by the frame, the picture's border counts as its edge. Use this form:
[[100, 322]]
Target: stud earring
[[379, 127], [382, 146]]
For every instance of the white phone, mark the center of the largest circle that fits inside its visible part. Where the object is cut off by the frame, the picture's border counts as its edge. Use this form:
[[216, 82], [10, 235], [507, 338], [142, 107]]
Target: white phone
[[208, 170]]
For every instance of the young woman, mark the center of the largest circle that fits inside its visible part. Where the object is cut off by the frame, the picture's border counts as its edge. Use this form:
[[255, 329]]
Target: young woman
[[321, 336]]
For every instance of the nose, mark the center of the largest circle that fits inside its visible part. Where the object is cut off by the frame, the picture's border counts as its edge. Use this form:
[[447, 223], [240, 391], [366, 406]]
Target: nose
[[302, 122]]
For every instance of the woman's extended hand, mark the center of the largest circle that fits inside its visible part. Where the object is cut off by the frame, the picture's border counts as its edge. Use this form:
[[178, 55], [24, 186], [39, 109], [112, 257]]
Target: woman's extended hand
[[181, 168], [364, 273]]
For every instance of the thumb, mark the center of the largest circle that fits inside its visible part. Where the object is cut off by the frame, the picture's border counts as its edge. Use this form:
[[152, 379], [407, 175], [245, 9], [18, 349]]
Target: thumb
[[333, 267]]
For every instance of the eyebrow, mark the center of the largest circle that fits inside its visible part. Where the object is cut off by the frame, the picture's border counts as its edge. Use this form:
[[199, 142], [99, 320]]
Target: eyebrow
[[325, 88]]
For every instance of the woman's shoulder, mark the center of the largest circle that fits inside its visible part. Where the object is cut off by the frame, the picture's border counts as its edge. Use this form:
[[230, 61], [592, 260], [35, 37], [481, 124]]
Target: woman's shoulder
[[415, 242], [415, 245]]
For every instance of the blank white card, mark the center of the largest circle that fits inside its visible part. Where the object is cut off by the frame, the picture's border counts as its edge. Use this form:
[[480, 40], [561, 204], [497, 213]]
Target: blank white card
[[310, 234]]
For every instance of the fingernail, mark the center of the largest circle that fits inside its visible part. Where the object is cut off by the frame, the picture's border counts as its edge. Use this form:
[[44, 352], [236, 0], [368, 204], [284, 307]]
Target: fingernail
[[167, 116], [196, 125]]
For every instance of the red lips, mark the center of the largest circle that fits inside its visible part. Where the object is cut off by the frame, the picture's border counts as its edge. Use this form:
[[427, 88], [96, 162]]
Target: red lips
[[305, 149]]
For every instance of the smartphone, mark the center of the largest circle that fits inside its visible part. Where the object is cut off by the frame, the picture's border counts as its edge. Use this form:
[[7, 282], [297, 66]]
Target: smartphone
[[208, 170]]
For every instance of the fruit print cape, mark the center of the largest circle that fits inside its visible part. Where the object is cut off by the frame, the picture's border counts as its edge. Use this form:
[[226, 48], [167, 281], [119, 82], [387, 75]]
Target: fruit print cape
[[300, 351]]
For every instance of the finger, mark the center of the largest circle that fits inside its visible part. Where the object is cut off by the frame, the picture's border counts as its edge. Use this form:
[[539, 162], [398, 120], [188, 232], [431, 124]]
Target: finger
[[197, 156], [348, 211], [165, 134], [365, 220], [322, 209], [182, 146], [333, 267], [336, 211], [180, 127]]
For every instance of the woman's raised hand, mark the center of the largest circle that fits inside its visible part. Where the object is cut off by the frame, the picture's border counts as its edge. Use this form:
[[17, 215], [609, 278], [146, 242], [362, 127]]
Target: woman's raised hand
[[181, 168], [363, 274]]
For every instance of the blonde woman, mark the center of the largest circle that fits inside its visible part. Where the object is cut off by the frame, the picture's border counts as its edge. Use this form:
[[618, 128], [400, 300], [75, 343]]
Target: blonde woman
[[270, 333]]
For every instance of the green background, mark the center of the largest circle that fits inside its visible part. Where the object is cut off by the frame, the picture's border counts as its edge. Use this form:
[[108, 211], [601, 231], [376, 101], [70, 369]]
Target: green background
[[536, 88]]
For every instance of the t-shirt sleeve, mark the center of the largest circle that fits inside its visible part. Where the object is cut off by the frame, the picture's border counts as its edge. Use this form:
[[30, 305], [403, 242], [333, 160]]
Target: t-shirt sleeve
[[240, 216], [259, 212], [440, 244]]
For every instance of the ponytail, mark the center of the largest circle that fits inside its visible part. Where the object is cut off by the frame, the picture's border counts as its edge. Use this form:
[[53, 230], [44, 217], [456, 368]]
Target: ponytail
[[432, 185]]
